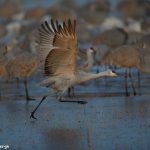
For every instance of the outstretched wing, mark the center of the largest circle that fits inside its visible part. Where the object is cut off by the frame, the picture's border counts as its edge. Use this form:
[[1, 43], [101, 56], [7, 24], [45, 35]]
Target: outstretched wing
[[59, 46], [45, 37]]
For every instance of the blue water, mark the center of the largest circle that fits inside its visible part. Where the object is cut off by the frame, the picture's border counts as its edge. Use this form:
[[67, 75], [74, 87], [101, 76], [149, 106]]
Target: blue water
[[109, 121]]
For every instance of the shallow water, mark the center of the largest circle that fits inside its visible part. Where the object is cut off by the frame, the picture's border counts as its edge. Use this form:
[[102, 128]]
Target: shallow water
[[108, 121]]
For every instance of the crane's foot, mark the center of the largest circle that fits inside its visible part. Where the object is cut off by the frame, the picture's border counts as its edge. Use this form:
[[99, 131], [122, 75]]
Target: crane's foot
[[127, 94], [81, 102], [30, 99], [71, 92], [32, 115], [62, 99], [71, 96], [134, 93]]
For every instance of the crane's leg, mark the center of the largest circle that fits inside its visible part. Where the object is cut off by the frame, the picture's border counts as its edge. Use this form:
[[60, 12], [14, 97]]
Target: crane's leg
[[126, 83], [132, 84], [62, 99], [71, 92], [33, 112], [105, 77], [0, 95], [139, 82], [26, 90], [17, 80], [97, 70]]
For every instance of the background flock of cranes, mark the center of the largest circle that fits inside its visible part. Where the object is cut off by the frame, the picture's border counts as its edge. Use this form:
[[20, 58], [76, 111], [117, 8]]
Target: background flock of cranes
[[81, 67], [53, 45], [56, 45]]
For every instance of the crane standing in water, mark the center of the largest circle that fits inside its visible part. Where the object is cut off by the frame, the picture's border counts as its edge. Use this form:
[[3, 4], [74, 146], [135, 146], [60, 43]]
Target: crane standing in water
[[57, 47], [90, 52], [22, 66], [129, 56]]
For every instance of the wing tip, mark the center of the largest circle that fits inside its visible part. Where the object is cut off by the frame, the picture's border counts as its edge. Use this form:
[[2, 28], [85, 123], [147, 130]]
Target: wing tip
[[68, 27]]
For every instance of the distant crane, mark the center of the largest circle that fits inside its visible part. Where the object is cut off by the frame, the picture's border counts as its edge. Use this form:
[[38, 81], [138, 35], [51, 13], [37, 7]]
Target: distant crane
[[3, 62], [90, 52], [129, 56], [23, 65]]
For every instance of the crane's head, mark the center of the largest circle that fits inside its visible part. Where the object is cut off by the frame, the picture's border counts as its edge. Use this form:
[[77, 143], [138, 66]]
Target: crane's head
[[110, 73], [91, 50]]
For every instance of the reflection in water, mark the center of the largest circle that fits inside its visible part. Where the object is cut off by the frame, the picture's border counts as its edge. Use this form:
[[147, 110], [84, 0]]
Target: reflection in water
[[138, 107], [63, 139]]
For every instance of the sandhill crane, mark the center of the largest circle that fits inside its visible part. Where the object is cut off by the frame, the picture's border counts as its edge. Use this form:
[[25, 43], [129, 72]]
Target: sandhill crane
[[133, 9], [145, 40], [100, 51], [23, 65], [107, 38], [144, 65], [3, 62], [90, 52], [124, 56], [58, 50]]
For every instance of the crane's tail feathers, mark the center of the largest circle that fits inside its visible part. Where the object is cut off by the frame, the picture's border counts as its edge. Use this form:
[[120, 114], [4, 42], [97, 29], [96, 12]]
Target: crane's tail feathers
[[47, 82]]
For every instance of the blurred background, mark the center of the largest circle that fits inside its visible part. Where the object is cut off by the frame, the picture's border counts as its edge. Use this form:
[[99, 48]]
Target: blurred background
[[110, 120], [93, 16]]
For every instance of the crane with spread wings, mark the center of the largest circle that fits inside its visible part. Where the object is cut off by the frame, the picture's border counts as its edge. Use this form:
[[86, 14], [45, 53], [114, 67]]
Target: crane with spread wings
[[57, 49]]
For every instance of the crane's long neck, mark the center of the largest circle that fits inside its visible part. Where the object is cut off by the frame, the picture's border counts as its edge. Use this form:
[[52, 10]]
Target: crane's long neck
[[89, 76], [90, 60]]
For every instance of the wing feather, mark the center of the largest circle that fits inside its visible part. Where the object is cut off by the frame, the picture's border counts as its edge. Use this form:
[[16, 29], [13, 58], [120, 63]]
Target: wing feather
[[45, 40], [58, 47], [54, 65], [53, 26], [62, 60], [48, 27]]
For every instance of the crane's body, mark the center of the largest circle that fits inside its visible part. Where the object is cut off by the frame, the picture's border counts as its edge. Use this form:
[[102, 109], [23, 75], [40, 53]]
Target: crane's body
[[57, 48]]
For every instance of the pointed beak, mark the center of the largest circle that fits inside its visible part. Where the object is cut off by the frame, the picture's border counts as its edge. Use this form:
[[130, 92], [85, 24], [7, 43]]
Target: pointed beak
[[117, 74], [94, 51]]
